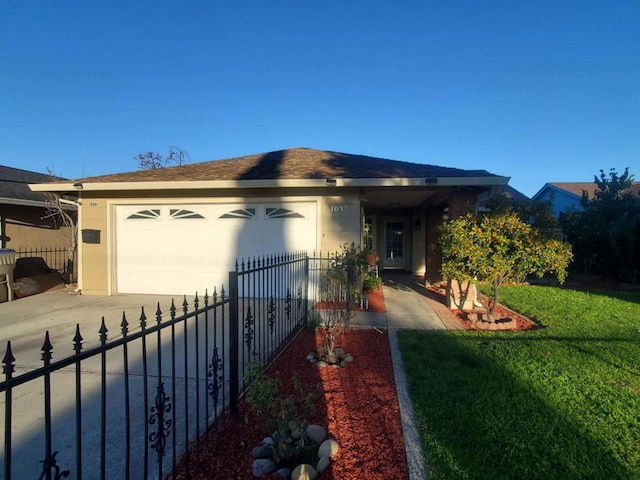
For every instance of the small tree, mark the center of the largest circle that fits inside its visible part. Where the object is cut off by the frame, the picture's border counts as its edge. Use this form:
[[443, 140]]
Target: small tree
[[151, 160], [63, 212], [605, 235], [340, 290], [497, 248]]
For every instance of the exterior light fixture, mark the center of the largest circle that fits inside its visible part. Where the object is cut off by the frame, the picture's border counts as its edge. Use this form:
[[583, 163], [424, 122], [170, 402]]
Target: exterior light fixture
[[78, 186], [431, 180], [332, 182]]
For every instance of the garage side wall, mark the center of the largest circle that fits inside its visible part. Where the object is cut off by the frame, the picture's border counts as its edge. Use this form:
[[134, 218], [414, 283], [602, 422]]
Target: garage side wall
[[93, 254], [341, 222]]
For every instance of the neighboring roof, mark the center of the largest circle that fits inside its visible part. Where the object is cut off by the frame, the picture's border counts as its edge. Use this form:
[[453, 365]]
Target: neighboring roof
[[291, 165], [14, 186], [510, 192], [576, 188], [505, 190]]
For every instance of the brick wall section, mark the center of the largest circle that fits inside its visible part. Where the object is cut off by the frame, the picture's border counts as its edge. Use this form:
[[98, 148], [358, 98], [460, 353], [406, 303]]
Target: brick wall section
[[461, 202], [433, 260]]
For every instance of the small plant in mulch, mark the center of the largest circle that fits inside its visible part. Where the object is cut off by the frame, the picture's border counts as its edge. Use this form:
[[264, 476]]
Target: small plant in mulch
[[286, 428], [371, 282]]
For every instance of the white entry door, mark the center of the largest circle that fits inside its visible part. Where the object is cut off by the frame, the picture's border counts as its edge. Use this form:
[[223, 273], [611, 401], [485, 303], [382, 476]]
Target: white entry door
[[396, 244], [181, 249]]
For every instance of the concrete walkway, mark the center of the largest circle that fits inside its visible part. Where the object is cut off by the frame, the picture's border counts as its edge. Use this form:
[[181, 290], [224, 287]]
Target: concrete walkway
[[408, 306]]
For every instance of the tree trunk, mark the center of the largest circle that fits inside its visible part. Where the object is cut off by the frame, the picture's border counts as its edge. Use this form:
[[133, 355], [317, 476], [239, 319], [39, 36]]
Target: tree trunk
[[494, 302]]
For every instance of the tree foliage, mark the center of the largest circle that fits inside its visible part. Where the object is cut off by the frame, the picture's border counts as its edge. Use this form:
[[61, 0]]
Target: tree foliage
[[606, 235], [499, 247], [538, 214], [151, 160]]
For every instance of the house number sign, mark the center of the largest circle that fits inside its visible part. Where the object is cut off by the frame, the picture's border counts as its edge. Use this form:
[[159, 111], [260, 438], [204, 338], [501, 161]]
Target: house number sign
[[339, 208]]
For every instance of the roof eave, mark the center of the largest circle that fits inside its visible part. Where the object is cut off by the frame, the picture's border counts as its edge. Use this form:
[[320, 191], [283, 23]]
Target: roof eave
[[22, 202], [298, 183]]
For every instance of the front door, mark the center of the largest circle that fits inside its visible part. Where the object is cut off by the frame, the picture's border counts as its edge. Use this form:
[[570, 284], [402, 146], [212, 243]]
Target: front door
[[396, 251]]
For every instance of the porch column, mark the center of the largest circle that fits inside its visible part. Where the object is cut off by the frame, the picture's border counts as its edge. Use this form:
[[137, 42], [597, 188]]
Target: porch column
[[460, 203], [433, 260]]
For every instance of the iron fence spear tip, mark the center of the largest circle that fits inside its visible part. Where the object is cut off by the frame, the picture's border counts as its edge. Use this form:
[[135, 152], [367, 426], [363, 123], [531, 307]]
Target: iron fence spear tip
[[8, 357]]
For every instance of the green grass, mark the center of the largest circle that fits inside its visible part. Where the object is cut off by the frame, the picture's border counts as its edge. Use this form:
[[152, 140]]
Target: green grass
[[559, 402]]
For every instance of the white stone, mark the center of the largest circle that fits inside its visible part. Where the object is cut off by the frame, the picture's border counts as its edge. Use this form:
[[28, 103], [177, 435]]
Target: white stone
[[262, 467], [323, 464], [316, 433], [284, 473], [328, 448], [304, 472]]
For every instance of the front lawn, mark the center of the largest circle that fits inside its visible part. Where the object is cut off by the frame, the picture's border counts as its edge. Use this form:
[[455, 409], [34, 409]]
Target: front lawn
[[559, 402]]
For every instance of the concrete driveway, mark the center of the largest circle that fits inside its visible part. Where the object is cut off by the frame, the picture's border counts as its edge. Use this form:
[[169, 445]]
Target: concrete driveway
[[24, 322]]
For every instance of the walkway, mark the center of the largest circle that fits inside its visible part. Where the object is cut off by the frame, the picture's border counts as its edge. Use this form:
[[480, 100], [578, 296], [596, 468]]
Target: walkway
[[408, 306]]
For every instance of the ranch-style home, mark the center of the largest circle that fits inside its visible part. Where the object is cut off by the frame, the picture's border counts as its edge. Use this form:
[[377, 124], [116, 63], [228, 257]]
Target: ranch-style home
[[178, 230]]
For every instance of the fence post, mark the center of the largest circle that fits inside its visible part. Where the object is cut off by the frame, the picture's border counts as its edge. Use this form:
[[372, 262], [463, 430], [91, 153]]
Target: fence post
[[306, 289], [234, 378]]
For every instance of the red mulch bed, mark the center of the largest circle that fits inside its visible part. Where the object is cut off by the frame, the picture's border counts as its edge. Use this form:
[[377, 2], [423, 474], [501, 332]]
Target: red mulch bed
[[506, 319], [357, 405]]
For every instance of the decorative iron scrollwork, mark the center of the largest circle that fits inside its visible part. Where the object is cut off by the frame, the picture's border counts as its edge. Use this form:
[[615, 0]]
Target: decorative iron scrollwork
[[287, 305], [271, 319], [215, 374], [162, 406], [299, 297], [51, 463], [248, 328]]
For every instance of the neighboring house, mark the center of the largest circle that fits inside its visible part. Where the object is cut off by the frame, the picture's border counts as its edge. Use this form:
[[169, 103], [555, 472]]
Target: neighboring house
[[24, 223], [179, 229], [502, 190], [566, 196]]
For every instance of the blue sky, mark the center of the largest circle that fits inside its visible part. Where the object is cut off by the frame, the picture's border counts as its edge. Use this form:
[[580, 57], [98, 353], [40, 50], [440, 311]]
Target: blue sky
[[538, 90]]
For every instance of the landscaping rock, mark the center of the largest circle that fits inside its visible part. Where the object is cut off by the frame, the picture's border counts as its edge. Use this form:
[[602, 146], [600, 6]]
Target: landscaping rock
[[328, 448], [316, 433], [268, 442], [263, 466], [284, 473], [322, 363], [261, 452], [323, 464], [347, 358], [304, 472]]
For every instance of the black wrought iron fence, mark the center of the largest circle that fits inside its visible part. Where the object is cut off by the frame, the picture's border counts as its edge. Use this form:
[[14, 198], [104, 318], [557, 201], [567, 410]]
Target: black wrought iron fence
[[59, 259], [130, 406]]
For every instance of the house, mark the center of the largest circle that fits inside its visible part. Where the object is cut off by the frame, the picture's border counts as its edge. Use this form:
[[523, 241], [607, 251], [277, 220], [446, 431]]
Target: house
[[179, 229], [566, 196], [24, 223], [506, 191]]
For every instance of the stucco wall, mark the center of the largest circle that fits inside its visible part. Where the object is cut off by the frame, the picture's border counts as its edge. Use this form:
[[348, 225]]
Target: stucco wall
[[27, 227], [94, 271], [340, 222]]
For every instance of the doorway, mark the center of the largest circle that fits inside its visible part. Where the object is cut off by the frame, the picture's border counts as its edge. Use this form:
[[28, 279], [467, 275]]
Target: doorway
[[395, 237]]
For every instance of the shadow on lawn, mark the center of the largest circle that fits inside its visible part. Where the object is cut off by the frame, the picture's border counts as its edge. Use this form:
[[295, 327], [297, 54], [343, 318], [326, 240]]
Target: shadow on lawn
[[477, 420]]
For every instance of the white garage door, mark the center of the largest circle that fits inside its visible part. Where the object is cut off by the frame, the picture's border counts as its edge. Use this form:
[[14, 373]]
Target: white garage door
[[181, 249]]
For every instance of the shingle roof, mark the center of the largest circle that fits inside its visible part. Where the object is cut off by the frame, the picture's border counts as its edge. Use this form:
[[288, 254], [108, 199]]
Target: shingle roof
[[291, 164], [14, 184], [590, 187]]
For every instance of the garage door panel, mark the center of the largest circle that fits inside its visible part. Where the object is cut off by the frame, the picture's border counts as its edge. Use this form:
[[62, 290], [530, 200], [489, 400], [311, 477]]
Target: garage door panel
[[178, 249]]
